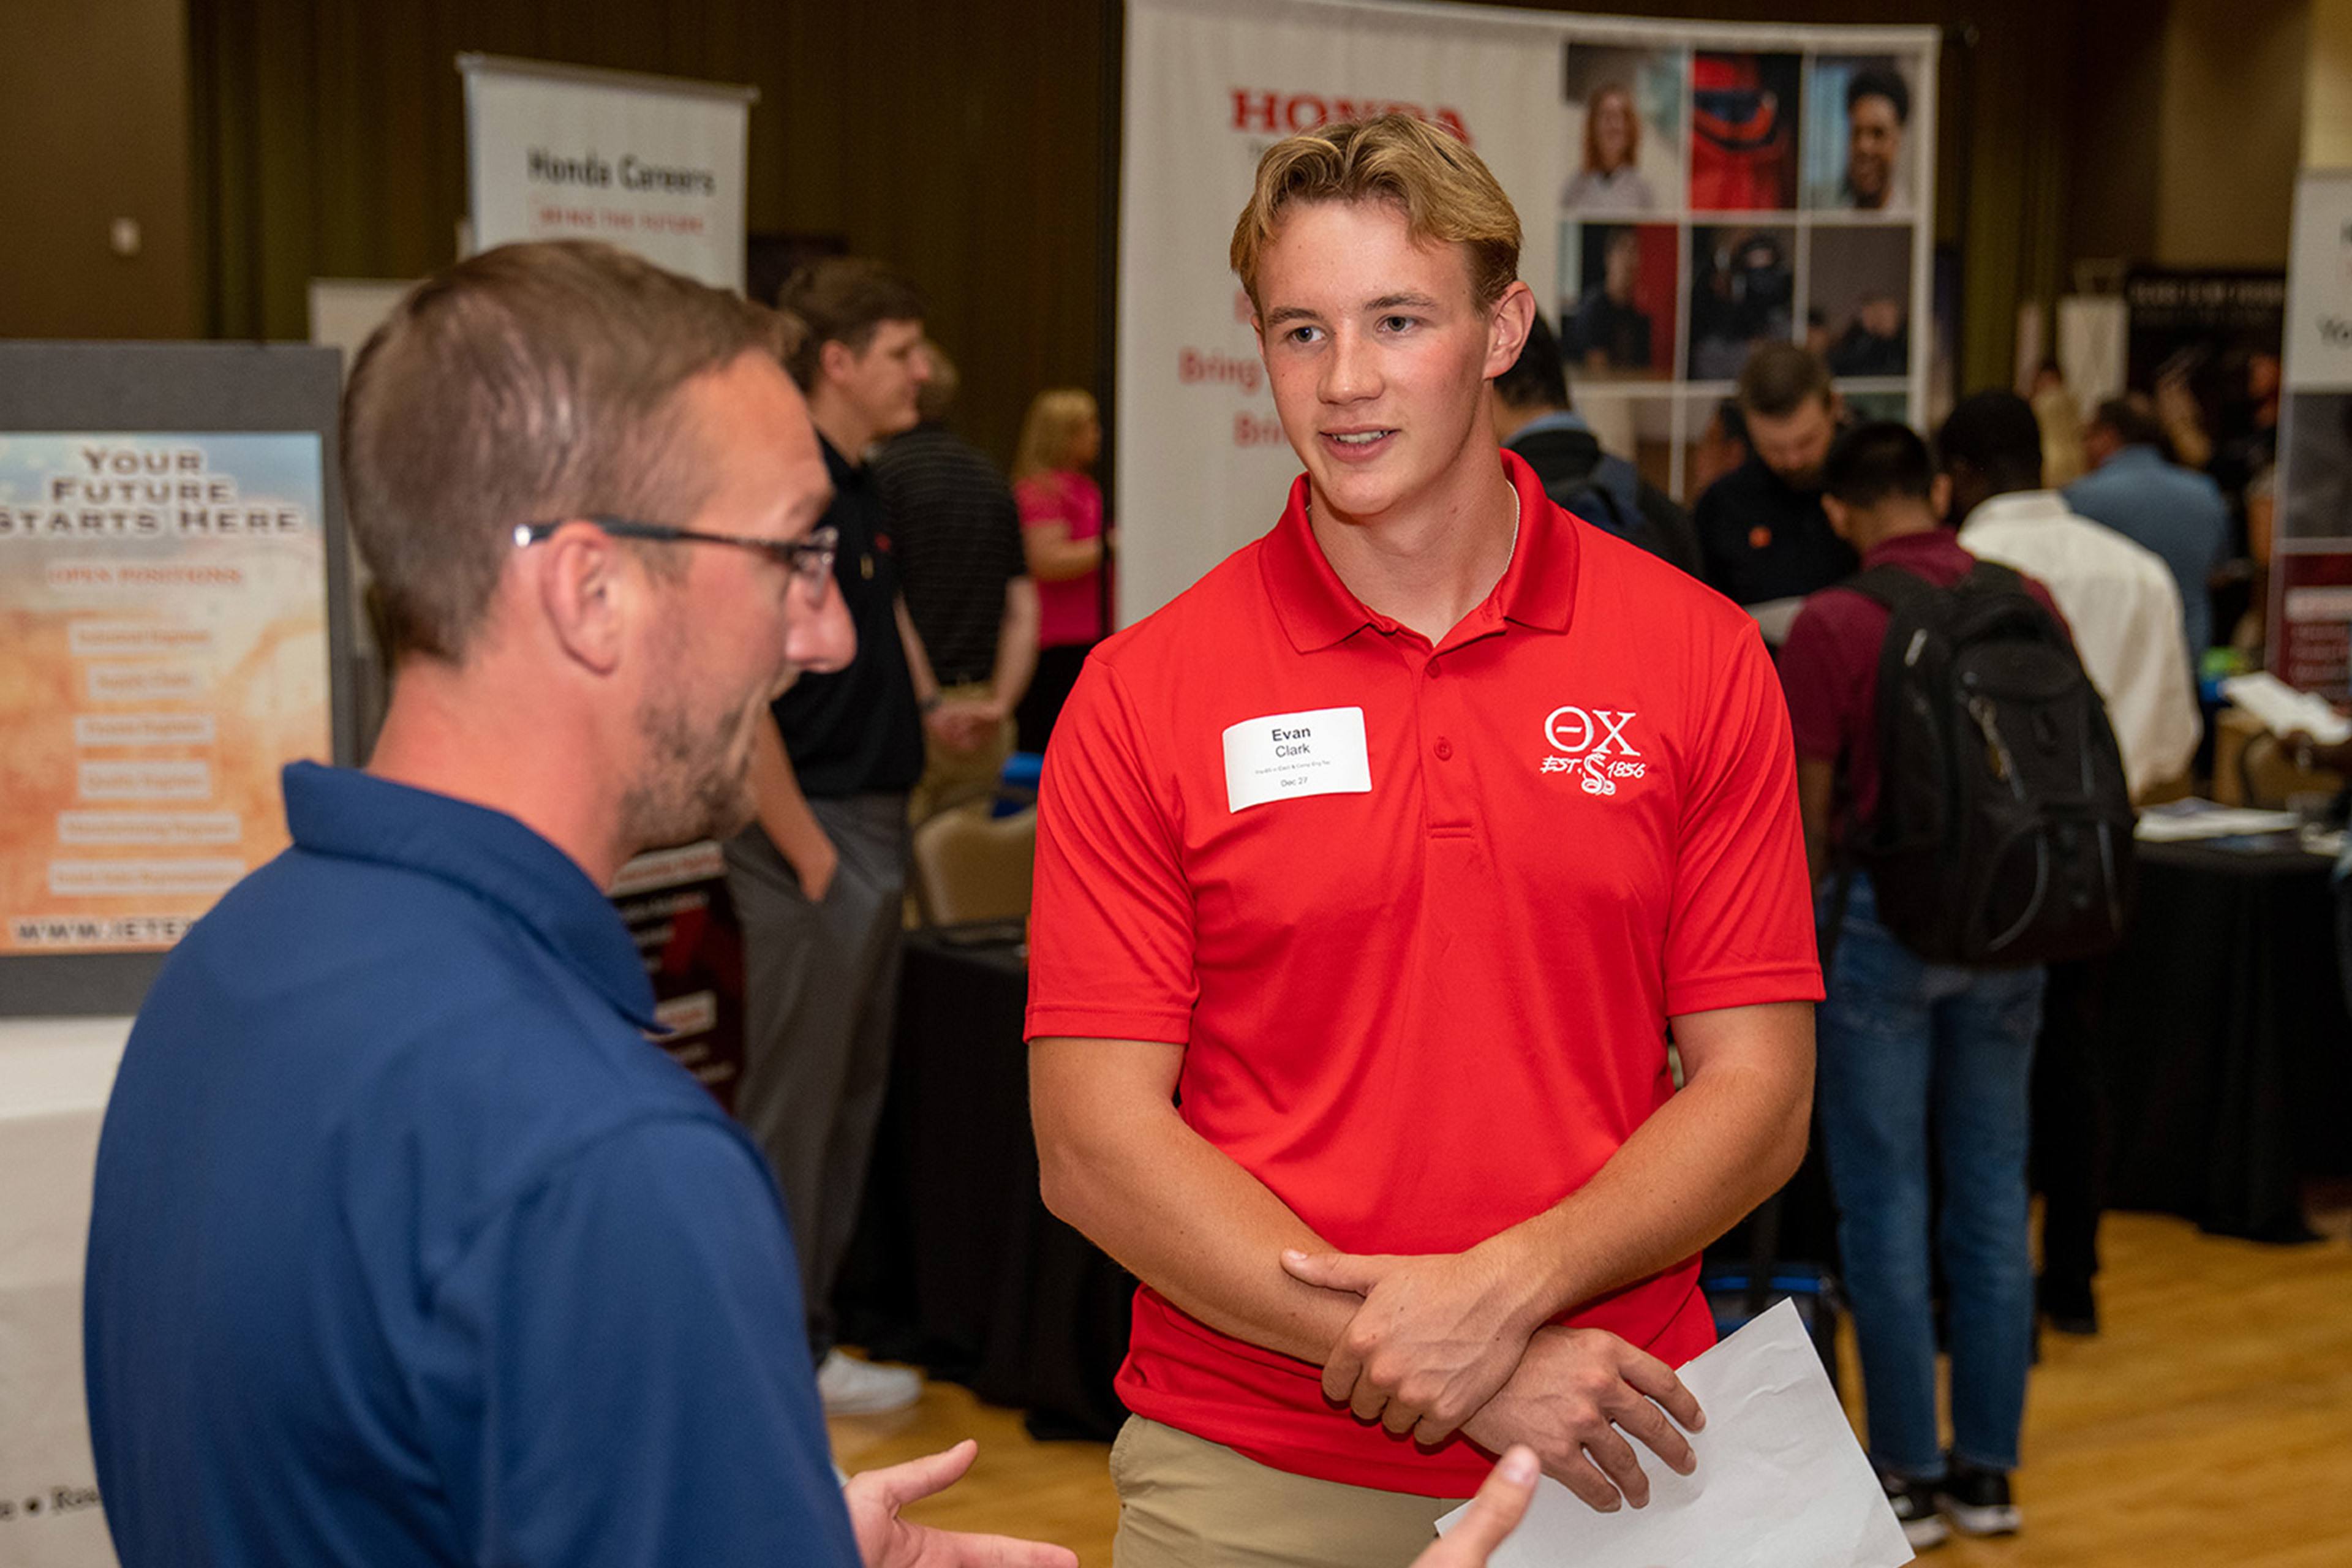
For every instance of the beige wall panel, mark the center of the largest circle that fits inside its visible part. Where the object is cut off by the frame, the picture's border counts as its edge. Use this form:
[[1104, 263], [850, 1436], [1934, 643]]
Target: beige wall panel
[[94, 125]]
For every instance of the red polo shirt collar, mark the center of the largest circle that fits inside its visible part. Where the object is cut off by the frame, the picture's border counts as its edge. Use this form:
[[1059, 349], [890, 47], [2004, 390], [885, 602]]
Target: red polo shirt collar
[[1316, 610]]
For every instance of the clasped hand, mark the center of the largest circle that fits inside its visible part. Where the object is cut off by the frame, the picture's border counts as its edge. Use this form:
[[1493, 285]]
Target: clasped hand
[[965, 724], [1436, 1338], [1443, 1343]]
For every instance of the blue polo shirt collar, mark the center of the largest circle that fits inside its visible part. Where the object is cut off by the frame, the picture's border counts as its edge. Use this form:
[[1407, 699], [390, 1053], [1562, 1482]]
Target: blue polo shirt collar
[[2139, 456], [1316, 610], [354, 815]]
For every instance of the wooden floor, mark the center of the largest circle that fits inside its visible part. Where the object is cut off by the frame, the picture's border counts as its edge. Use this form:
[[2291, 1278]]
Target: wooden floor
[[2208, 1426]]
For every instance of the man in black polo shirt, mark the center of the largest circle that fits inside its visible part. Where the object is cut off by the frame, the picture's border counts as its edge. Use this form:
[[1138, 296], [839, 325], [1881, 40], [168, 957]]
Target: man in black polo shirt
[[1761, 527], [819, 880], [967, 587]]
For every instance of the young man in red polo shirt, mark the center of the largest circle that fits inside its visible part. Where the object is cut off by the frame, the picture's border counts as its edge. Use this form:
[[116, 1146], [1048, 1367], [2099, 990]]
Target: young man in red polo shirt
[[1372, 874]]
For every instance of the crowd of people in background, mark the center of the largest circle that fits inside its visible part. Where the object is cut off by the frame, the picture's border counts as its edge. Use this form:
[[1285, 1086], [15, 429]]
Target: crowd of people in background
[[2123, 536]]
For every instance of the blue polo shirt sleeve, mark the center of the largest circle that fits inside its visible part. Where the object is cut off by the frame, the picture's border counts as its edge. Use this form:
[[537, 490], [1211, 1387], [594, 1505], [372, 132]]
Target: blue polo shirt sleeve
[[616, 1370]]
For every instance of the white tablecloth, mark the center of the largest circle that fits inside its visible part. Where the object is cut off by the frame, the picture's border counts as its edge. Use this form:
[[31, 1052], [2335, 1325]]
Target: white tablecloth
[[55, 1075]]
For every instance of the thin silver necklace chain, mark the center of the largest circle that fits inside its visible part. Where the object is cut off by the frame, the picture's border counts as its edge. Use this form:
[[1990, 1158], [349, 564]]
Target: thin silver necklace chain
[[1516, 510]]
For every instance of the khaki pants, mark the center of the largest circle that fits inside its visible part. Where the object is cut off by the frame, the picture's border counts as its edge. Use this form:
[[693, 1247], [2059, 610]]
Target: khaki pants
[[949, 776], [1186, 1502]]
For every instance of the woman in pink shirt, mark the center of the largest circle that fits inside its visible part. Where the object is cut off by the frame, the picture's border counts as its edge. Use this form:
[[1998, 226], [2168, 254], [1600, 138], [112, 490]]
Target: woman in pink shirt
[[1062, 534]]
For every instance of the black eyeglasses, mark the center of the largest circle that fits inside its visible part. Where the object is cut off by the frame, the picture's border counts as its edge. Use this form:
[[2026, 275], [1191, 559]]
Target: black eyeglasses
[[809, 560]]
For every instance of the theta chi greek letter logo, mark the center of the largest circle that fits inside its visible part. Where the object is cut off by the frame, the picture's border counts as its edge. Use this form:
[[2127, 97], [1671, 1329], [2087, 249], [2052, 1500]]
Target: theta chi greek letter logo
[[1593, 745]]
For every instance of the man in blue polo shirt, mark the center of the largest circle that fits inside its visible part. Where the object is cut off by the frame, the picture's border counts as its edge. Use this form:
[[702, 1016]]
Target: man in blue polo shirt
[[2173, 511], [406, 1246]]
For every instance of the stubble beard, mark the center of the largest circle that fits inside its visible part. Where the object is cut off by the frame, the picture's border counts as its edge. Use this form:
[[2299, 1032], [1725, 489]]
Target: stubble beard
[[693, 782]]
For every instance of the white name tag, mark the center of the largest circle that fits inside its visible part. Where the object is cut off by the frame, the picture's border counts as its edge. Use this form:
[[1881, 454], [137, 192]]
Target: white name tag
[[1284, 756]]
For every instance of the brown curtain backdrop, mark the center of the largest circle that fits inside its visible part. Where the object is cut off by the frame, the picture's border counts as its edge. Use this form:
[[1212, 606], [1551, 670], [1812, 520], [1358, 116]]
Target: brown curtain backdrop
[[967, 144], [974, 145]]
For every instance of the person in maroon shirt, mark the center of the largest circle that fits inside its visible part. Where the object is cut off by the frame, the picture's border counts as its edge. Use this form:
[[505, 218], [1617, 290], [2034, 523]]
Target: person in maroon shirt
[[1906, 1046]]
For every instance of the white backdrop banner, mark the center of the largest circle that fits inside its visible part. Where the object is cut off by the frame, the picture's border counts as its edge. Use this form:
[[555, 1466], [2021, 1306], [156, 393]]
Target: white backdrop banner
[[1686, 190], [2311, 571], [654, 164], [2319, 284]]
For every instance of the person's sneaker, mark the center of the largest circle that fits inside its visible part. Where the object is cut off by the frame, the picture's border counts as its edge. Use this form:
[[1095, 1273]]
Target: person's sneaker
[[1914, 1503], [851, 1388], [1977, 1501]]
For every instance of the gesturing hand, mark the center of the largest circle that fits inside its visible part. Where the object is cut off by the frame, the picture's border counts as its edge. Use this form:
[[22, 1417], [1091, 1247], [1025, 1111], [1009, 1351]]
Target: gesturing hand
[[1494, 1513], [1577, 1395], [1434, 1340], [886, 1540]]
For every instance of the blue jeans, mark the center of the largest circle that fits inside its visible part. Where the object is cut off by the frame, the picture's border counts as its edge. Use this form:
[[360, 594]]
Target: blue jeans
[[1906, 1046]]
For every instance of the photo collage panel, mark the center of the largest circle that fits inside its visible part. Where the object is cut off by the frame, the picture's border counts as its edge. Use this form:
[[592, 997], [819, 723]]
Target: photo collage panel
[[1722, 198]]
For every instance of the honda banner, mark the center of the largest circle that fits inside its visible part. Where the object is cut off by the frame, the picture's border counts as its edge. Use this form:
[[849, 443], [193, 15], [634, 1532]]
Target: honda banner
[[1686, 190]]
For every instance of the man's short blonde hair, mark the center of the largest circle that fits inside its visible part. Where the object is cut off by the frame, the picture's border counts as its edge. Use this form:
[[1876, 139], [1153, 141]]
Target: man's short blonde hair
[[1445, 190]]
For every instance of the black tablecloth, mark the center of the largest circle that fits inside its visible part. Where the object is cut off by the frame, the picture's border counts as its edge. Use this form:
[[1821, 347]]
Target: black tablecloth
[[955, 1265], [2225, 1048]]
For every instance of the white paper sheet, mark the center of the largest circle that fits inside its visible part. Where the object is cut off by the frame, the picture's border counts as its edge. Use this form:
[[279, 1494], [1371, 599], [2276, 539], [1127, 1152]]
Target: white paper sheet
[[1780, 1482], [2180, 821], [2283, 709]]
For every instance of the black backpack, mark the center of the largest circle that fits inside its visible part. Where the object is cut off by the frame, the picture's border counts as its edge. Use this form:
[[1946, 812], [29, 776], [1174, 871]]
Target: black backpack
[[1609, 497], [2003, 832]]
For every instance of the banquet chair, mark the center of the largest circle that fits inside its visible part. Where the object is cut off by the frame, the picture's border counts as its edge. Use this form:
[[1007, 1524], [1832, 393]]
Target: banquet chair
[[971, 864]]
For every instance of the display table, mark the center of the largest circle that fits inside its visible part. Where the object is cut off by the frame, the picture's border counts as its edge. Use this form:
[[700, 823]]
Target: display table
[[55, 1076], [957, 1265], [2225, 1048]]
